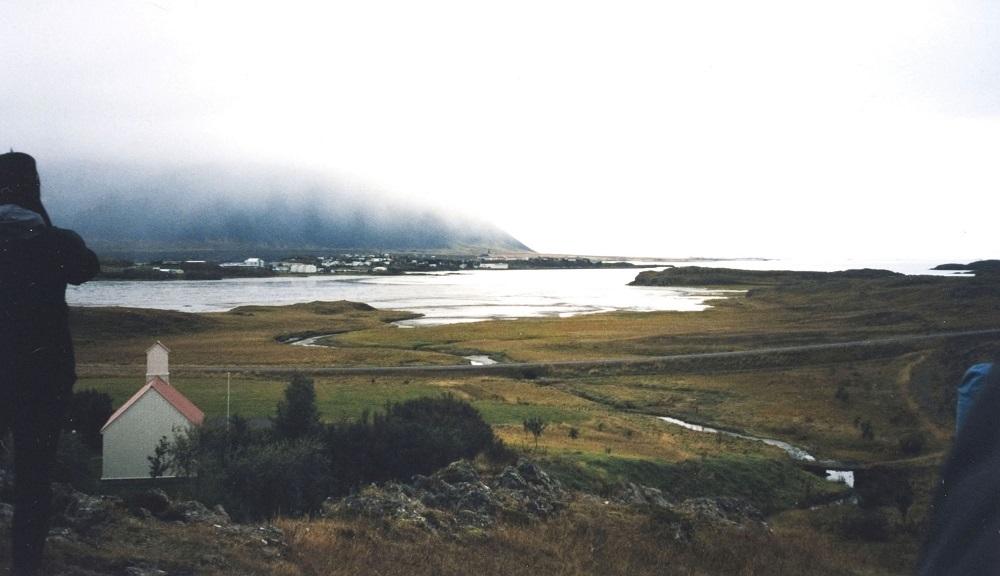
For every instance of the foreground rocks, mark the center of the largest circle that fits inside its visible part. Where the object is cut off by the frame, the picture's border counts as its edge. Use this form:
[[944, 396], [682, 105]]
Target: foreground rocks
[[718, 509], [106, 535], [86, 524], [156, 504], [457, 499]]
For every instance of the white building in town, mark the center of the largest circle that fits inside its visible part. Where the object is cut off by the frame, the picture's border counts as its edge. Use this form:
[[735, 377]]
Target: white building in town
[[297, 268]]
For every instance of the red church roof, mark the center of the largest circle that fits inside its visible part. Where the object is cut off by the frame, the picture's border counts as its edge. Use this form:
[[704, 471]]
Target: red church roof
[[172, 395]]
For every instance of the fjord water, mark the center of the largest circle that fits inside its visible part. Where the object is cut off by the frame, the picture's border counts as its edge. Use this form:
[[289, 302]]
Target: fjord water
[[442, 298], [445, 298]]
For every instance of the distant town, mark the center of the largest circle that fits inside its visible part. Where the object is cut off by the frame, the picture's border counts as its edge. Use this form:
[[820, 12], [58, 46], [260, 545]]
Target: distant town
[[348, 263]]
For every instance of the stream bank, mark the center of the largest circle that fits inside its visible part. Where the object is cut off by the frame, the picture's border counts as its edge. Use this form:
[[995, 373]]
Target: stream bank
[[845, 476]]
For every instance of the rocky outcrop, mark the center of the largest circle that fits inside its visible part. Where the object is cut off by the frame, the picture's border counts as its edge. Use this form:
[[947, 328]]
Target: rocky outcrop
[[632, 494], [458, 499], [682, 516], [722, 510], [81, 522], [155, 503], [78, 511]]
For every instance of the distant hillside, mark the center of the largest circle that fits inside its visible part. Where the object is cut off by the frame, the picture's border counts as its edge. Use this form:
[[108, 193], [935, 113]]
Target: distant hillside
[[206, 209], [977, 266], [702, 276]]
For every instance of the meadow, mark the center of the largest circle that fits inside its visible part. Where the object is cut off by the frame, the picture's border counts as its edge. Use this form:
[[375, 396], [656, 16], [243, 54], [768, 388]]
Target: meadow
[[884, 405]]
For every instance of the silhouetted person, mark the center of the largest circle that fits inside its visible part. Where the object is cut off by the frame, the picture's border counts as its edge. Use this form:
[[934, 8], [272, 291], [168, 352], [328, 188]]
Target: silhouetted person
[[37, 367], [964, 536]]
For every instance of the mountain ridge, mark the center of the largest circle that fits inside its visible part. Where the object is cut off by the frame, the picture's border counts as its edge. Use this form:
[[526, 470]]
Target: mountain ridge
[[257, 210]]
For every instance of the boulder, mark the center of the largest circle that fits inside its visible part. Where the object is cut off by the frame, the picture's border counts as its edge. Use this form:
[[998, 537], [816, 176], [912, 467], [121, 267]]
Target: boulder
[[724, 510], [78, 510], [155, 501], [474, 496], [633, 494], [528, 489], [192, 511], [458, 472], [512, 480], [389, 502]]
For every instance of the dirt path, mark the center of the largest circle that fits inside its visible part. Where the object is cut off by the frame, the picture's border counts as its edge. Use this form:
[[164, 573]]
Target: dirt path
[[521, 368], [903, 382]]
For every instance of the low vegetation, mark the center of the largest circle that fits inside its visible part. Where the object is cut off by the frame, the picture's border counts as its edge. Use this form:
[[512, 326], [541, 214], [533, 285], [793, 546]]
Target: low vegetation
[[293, 466], [887, 406]]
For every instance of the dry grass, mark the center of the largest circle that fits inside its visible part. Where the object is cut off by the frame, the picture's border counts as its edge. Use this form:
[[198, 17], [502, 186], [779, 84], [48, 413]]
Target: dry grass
[[244, 336], [588, 539], [795, 403]]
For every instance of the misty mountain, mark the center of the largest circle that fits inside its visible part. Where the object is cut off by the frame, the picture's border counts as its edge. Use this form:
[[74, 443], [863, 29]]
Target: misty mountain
[[248, 209]]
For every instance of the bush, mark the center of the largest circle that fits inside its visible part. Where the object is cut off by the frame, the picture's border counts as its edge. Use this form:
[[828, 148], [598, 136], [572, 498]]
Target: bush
[[913, 444], [414, 437], [865, 525], [287, 477], [866, 428], [256, 474], [530, 373], [883, 487], [251, 474], [842, 394]]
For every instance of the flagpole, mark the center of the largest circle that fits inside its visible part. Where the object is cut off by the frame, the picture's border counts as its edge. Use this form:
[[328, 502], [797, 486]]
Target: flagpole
[[228, 382]]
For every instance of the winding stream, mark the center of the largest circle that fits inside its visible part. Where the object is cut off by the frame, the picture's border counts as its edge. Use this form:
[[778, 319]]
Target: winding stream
[[845, 476], [311, 341]]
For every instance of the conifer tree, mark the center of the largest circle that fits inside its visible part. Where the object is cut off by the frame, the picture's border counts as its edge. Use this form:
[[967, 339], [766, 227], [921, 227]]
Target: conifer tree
[[297, 415]]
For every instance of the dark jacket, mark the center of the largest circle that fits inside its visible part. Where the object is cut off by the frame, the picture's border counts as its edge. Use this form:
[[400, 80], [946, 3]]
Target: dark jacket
[[964, 535], [37, 261]]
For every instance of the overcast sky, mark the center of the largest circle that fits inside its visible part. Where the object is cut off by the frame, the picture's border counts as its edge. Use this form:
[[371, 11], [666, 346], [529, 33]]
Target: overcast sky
[[715, 128]]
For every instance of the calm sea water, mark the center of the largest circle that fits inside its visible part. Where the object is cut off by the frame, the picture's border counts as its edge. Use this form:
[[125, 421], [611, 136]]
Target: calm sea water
[[442, 298]]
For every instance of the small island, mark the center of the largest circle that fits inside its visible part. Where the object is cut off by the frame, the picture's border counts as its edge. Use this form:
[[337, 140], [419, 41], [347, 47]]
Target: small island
[[977, 266]]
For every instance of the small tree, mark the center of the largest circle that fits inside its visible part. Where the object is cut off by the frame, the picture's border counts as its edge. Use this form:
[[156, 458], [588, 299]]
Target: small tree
[[159, 462], [297, 415], [535, 425], [184, 451], [867, 430], [913, 443], [842, 394]]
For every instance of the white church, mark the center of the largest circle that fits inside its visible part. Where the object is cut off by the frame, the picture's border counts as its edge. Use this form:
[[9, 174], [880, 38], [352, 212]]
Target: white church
[[156, 410]]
